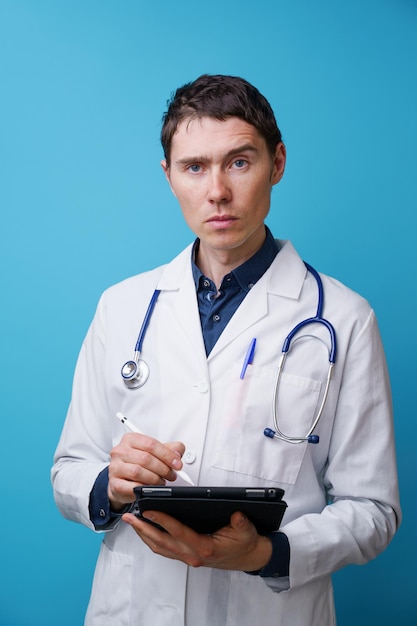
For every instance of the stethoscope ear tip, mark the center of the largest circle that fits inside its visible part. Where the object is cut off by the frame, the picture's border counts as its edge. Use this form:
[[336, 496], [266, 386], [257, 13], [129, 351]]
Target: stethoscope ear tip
[[268, 432]]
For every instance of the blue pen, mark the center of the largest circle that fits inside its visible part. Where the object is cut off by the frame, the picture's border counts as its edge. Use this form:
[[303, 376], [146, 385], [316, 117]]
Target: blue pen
[[248, 358]]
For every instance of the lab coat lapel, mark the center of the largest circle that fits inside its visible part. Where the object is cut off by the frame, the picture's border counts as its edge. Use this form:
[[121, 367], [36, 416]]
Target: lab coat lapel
[[177, 276], [285, 278]]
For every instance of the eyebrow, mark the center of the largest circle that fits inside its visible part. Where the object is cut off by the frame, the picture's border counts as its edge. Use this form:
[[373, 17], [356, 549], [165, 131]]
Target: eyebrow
[[247, 147]]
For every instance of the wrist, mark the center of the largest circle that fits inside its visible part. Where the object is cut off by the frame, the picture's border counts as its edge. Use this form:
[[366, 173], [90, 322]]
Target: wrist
[[260, 556], [115, 505], [279, 563]]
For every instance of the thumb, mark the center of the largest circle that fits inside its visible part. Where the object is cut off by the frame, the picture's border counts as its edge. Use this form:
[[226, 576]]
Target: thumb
[[239, 521], [176, 446]]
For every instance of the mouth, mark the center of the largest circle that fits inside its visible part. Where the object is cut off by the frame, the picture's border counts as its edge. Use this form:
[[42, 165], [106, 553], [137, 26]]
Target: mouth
[[221, 221]]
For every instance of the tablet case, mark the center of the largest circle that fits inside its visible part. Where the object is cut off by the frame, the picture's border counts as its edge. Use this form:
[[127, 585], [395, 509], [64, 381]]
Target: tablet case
[[206, 509]]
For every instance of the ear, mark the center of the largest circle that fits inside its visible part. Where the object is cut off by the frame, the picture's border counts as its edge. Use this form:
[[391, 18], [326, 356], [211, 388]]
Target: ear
[[279, 161], [165, 167]]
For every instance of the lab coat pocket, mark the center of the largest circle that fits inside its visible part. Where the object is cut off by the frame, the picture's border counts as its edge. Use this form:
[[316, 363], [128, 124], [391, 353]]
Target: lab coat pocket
[[107, 607], [241, 444]]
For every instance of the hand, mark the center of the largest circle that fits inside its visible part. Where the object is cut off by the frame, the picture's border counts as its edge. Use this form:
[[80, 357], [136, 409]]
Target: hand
[[140, 460], [234, 547]]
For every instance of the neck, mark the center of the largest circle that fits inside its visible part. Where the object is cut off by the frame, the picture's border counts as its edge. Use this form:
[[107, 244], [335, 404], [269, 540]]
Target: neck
[[215, 264]]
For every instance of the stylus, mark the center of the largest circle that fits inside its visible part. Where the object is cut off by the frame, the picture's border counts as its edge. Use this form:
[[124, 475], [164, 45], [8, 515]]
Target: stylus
[[134, 429]]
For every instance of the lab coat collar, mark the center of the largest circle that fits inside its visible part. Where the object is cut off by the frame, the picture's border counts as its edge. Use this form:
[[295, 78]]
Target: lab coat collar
[[174, 274], [284, 277]]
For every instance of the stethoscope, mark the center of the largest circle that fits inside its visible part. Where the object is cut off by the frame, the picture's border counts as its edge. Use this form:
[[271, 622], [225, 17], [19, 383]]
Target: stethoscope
[[135, 372], [317, 319]]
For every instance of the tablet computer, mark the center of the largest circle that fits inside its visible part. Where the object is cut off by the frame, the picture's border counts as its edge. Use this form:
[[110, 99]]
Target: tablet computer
[[206, 509]]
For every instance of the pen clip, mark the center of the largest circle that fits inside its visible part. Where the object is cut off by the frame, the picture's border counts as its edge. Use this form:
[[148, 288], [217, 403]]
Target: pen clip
[[248, 358]]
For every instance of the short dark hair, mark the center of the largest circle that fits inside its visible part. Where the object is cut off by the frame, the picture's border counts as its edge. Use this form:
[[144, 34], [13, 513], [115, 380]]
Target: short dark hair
[[220, 97]]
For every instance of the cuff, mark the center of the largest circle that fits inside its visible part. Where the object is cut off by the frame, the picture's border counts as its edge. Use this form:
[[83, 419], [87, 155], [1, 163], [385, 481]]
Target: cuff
[[101, 514], [278, 565]]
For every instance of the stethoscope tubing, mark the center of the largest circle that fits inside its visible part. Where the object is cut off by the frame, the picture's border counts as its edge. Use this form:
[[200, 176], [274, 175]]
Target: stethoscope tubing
[[147, 319], [313, 320], [317, 319]]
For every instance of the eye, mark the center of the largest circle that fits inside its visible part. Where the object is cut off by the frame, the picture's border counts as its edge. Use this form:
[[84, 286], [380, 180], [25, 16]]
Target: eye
[[239, 163], [194, 168]]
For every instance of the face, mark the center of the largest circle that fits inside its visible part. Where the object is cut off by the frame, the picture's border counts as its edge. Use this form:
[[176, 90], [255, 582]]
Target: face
[[222, 174]]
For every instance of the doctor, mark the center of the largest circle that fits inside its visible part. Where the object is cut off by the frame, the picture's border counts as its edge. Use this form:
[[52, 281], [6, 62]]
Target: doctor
[[235, 283]]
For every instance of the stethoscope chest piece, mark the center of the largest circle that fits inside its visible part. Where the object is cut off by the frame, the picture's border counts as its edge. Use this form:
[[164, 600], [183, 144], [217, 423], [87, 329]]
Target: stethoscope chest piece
[[135, 373]]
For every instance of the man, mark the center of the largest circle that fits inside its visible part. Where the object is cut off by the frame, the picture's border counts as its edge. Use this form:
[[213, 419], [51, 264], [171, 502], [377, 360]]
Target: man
[[223, 154]]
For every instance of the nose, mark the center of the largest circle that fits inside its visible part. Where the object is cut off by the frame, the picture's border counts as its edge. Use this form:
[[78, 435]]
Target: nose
[[219, 188]]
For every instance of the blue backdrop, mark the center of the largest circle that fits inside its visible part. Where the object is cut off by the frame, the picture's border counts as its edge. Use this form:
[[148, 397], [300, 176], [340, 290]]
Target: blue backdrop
[[83, 199]]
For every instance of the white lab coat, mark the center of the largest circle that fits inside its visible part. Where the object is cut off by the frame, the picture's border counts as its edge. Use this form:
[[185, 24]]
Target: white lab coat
[[342, 497]]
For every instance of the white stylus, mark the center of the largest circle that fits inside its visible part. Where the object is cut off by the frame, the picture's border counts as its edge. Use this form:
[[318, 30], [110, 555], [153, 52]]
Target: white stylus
[[133, 429]]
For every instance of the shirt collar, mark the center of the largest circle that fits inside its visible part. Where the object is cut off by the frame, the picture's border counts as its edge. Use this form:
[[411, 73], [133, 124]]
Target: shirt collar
[[251, 270]]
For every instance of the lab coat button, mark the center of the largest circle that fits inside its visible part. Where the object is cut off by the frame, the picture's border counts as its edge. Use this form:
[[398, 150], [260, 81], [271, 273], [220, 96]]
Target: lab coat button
[[202, 387], [189, 456]]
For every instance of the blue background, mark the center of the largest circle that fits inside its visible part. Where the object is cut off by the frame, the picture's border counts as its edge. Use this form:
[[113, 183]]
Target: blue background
[[83, 202]]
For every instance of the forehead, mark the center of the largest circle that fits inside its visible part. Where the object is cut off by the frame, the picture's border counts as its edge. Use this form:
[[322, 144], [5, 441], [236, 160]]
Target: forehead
[[207, 134]]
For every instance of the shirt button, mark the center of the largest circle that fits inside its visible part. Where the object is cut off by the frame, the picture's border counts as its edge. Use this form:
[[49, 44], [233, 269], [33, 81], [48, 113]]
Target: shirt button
[[189, 456], [202, 386], [102, 513], [216, 318], [206, 283], [250, 285]]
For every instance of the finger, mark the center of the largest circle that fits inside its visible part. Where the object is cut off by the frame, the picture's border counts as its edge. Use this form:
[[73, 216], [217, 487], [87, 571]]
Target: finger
[[177, 447], [147, 532], [171, 525], [153, 534], [138, 453], [175, 541], [120, 490], [165, 453], [239, 529], [239, 522], [143, 472], [243, 526]]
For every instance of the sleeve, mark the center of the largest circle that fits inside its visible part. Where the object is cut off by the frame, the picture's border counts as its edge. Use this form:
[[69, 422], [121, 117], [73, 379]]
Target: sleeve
[[101, 513], [83, 449], [360, 478]]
